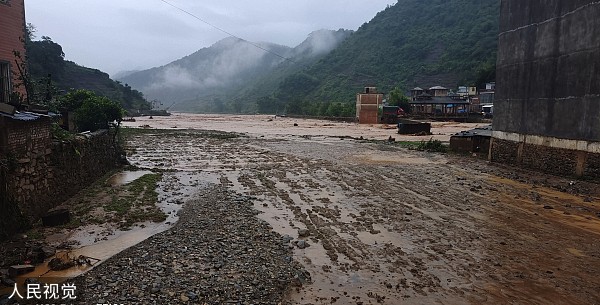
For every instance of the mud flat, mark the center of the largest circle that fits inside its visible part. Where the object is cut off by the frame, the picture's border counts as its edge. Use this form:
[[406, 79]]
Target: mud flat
[[319, 219], [283, 127], [373, 222]]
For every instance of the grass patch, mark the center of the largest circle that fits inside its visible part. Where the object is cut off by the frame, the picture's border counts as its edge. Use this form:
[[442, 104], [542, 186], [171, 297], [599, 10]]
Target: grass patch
[[144, 188], [34, 234], [408, 144], [118, 205], [123, 205], [432, 146], [74, 223]]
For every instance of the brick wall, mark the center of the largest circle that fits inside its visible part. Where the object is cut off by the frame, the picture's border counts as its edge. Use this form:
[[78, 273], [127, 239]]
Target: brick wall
[[12, 29], [367, 110]]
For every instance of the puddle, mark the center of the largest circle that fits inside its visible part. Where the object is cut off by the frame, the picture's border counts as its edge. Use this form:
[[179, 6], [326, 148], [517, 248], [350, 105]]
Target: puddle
[[575, 252], [125, 177], [392, 158], [102, 241]]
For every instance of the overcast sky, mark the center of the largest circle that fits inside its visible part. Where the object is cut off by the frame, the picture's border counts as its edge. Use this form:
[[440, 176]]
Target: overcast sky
[[120, 35]]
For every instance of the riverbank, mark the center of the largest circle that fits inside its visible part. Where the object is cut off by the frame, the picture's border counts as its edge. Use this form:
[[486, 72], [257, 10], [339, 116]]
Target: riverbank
[[369, 221]]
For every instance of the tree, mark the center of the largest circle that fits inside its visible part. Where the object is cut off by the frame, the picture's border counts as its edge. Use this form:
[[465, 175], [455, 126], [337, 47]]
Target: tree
[[46, 57], [74, 99], [397, 98], [92, 112], [485, 74]]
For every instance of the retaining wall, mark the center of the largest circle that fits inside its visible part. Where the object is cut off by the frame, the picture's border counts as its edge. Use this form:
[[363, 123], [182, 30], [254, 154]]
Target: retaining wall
[[41, 174]]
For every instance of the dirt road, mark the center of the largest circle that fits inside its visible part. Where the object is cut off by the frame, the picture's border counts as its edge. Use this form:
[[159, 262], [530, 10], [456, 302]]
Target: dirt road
[[384, 224]]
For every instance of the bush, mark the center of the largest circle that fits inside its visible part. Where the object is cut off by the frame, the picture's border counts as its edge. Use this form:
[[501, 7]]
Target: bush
[[92, 112], [432, 146]]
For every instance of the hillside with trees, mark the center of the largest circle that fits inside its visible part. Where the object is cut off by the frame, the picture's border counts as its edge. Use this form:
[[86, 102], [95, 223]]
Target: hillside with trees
[[413, 43], [54, 75], [210, 79]]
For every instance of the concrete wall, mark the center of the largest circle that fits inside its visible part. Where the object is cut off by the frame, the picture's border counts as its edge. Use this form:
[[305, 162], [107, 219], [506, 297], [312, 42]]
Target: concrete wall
[[548, 85], [548, 69]]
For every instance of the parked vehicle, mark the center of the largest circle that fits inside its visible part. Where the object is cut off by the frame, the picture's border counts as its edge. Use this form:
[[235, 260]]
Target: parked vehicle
[[487, 111], [390, 114]]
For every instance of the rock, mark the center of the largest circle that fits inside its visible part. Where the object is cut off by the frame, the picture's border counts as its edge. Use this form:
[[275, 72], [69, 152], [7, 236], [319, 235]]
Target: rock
[[7, 282], [184, 298], [192, 295], [56, 218], [303, 233], [16, 270], [31, 280], [548, 207], [301, 244]]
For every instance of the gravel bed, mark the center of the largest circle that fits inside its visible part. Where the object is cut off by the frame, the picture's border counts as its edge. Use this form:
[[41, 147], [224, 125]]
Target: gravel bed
[[218, 253]]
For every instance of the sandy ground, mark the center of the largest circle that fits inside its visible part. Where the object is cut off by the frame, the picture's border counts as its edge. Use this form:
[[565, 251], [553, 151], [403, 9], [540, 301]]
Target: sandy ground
[[390, 225], [271, 126]]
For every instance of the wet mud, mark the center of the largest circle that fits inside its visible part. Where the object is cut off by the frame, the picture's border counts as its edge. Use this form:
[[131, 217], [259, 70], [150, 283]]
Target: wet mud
[[377, 223]]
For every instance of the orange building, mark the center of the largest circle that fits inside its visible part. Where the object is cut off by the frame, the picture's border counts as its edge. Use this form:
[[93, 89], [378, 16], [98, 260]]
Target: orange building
[[367, 106], [12, 31]]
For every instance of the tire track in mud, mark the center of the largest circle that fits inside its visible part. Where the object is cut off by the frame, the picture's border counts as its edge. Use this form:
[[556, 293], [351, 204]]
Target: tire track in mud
[[420, 231], [370, 214]]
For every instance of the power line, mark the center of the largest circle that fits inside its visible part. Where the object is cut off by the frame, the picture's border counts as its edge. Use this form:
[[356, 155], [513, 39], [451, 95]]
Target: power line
[[228, 33]]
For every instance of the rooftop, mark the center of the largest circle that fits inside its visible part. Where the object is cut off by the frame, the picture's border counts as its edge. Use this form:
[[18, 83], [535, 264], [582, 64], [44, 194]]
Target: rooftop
[[485, 131], [24, 116], [445, 100]]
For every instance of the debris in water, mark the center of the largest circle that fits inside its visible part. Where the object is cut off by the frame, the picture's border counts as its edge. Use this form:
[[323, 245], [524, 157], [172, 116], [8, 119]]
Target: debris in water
[[66, 262]]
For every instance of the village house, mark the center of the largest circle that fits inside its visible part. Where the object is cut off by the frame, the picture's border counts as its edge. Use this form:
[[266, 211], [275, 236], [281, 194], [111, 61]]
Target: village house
[[367, 106], [438, 102], [467, 92], [12, 33], [486, 99]]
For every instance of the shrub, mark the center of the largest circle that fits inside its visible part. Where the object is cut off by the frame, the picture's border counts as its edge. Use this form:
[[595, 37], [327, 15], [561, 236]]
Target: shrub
[[432, 146]]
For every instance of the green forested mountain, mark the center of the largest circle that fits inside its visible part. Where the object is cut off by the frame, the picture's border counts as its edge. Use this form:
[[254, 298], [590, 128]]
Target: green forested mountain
[[200, 81], [413, 43], [46, 62], [210, 79]]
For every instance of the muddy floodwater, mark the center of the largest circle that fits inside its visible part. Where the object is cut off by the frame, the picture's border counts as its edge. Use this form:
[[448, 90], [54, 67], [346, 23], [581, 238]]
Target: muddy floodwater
[[383, 224]]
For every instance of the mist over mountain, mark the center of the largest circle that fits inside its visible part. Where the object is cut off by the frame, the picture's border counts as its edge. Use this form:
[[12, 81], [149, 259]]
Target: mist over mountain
[[122, 74], [412, 43], [206, 80]]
